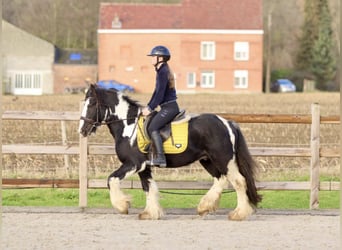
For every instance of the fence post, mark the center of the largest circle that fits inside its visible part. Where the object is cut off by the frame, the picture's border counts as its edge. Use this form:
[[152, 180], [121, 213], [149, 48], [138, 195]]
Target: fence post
[[83, 170], [65, 143], [314, 162]]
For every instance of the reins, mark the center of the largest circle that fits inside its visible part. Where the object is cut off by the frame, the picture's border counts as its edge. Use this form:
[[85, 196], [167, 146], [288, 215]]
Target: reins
[[97, 123]]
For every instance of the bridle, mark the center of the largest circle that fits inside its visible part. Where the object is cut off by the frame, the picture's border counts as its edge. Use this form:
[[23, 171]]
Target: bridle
[[96, 123]]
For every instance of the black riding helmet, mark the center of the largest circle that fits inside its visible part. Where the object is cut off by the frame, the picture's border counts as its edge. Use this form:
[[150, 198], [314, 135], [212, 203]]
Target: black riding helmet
[[161, 51]]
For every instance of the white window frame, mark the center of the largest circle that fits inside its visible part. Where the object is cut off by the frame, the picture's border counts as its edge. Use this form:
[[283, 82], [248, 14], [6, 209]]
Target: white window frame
[[241, 51], [241, 79], [208, 79], [27, 82], [208, 50], [191, 80]]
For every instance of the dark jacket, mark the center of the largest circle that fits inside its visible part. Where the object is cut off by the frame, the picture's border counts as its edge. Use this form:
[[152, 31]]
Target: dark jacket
[[162, 92]]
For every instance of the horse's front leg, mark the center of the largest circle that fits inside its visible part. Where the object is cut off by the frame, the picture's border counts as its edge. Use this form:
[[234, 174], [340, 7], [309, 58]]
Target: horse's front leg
[[120, 201], [153, 210]]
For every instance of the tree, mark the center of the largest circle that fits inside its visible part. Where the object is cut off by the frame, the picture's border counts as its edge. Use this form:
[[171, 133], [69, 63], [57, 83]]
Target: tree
[[315, 57], [309, 35], [323, 65]]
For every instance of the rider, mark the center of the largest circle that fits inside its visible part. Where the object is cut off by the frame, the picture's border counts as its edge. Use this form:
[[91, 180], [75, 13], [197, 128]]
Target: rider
[[165, 96]]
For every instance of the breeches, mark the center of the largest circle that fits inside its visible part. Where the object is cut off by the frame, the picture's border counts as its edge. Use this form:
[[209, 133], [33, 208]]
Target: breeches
[[165, 115]]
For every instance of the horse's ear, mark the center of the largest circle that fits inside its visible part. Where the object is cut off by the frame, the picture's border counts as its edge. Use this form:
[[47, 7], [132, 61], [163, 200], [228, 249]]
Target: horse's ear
[[91, 90]]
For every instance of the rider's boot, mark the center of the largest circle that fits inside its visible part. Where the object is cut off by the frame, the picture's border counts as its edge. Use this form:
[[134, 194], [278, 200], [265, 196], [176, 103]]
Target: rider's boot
[[159, 160]]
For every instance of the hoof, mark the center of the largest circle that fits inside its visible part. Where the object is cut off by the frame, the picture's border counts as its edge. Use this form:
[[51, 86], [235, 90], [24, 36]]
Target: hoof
[[235, 216], [123, 207], [202, 212], [147, 216], [144, 216], [239, 215], [125, 211], [206, 207]]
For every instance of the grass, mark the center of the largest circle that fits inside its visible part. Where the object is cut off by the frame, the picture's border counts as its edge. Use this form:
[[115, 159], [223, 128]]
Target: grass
[[99, 198]]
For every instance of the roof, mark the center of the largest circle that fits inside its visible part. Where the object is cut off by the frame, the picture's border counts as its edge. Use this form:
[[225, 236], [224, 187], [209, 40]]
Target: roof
[[188, 14], [18, 42]]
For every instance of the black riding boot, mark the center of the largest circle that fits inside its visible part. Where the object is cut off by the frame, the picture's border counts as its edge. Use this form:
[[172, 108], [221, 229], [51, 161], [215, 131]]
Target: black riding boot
[[157, 142]]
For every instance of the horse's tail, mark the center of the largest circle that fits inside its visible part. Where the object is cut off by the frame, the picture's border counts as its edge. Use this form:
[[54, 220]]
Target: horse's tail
[[247, 167]]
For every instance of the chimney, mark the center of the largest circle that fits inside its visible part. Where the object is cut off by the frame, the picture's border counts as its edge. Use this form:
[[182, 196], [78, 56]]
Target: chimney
[[116, 23]]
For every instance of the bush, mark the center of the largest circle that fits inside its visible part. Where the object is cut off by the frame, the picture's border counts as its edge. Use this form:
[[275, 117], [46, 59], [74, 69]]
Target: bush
[[280, 74]]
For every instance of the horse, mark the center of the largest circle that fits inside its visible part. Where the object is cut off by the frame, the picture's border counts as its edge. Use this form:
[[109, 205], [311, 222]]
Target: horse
[[218, 145]]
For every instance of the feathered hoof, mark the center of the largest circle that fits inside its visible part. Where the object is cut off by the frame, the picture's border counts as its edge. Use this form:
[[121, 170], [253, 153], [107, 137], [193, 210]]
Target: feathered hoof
[[206, 207], [202, 212], [239, 214], [147, 216], [123, 207]]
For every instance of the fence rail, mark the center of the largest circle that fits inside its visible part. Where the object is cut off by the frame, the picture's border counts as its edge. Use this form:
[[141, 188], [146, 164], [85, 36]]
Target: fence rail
[[180, 185], [315, 151]]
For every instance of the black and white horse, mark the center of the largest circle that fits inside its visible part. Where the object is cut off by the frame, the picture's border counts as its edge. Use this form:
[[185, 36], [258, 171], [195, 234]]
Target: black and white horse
[[216, 143]]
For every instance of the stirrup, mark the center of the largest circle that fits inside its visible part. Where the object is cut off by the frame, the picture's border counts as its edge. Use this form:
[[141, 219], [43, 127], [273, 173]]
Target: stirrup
[[156, 162], [151, 163]]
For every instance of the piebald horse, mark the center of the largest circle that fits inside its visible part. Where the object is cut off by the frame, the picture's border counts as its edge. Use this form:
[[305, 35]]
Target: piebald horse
[[216, 143]]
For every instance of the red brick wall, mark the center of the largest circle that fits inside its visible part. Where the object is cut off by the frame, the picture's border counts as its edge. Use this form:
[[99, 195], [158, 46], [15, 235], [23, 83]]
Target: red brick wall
[[66, 76], [123, 57]]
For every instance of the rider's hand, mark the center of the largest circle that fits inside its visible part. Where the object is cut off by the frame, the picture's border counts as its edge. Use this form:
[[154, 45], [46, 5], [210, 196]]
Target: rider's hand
[[146, 111]]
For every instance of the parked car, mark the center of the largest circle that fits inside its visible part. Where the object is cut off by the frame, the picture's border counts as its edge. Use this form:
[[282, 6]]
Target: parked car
[[112, 84], [282, 86]]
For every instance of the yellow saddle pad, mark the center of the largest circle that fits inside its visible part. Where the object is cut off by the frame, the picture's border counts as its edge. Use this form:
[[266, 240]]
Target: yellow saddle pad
[[175, 144]]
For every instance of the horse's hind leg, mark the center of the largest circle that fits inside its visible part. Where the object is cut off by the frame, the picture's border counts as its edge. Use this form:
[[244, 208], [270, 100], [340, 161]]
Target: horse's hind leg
[[153, 210], [210, 202], [243, 209]]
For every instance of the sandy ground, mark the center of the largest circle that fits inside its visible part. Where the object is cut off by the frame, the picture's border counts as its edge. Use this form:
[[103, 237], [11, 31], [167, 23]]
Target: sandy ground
[[71, 228]]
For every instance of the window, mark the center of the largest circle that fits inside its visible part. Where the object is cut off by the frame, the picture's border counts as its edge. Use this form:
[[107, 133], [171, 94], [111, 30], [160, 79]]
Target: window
[[18, 81], [36, 81], [241, 79], [191, 80], [27, 80], [207, 50], [207, 79], [241, 51]]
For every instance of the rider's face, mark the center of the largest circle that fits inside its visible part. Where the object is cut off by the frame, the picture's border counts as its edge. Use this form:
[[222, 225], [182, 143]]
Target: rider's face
[[154, 60]]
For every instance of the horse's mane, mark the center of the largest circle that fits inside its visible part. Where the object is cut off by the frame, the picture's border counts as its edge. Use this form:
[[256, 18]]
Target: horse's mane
[[101, 92], [131, 101]]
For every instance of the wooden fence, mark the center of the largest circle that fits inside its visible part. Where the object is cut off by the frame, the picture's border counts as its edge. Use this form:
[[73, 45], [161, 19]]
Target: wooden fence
[[315, 151]]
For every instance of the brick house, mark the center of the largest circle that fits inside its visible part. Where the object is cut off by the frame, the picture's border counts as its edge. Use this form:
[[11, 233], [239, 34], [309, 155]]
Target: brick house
[[216, 45]]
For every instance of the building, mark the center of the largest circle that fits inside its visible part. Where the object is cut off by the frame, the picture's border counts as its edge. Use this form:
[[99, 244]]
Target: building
[[216, 45], [74, 70], [32, 66], [27, 62]]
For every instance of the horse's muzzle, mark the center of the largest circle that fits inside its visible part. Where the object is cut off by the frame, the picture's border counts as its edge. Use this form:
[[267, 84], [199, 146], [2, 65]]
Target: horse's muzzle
[[88, 127]]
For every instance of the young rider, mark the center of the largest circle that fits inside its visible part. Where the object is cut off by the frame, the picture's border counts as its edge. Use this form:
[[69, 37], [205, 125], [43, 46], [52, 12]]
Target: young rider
[[164, 95]]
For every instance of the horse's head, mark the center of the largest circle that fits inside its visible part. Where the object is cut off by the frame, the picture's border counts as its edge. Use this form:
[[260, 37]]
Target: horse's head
[[94, 112], [107, 106]]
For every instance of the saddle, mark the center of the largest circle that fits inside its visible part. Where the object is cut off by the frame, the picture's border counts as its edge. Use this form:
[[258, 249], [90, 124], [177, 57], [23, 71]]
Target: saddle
[[174, 134]]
